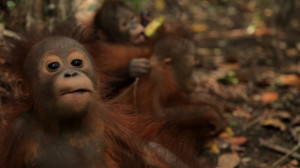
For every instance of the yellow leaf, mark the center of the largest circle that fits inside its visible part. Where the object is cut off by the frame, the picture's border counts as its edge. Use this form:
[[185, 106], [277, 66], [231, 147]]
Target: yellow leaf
[[228, 133], [203, 51], [199, 27], [153, 26], [214, 147], [160, 5]]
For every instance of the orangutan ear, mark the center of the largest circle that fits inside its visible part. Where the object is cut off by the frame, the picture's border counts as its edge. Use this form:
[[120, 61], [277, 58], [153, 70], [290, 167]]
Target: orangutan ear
[[23, 89], [101, 35]]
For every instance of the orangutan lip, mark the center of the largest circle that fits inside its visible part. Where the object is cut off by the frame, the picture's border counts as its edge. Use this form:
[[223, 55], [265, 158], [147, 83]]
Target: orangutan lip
[[139, 35], [76, 91]]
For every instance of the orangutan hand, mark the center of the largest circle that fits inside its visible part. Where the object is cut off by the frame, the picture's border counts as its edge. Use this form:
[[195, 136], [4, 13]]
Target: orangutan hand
[[139, 67]]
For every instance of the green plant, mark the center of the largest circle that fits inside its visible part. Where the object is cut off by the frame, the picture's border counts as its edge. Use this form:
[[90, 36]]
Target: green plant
[[229, 78], [10, 5], [135, 3]]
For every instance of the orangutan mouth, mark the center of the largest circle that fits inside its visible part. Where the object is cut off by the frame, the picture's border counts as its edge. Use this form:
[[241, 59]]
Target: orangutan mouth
[[76, 91]]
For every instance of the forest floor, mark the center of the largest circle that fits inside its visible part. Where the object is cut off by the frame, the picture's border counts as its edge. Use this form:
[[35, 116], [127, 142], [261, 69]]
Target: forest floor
[[257, 75], [263, 97]]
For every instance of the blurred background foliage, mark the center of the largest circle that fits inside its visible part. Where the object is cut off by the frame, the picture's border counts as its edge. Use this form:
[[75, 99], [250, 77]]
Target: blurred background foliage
[[254, 13]]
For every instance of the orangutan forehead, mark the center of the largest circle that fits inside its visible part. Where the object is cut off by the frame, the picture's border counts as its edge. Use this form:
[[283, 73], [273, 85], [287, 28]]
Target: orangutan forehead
[[59, 45], [175, 48], [123, 12]]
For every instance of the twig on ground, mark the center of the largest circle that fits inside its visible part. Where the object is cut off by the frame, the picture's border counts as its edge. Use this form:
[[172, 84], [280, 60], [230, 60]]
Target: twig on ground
[[283, 158], [255, 121], [251, 123], [280, 149]]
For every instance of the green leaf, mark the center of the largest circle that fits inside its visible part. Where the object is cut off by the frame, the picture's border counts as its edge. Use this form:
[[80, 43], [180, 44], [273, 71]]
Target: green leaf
[[231, 74], [233, 124], [135, 3], [234, 81], [10, 4], [92, 7]]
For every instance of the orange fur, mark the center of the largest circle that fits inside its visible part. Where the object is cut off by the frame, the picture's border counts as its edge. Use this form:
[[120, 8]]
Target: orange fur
[[122, 148], [168, 116]]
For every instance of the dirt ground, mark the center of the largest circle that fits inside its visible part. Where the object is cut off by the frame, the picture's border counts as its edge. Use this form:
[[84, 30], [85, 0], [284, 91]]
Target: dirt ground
[[257, 76]]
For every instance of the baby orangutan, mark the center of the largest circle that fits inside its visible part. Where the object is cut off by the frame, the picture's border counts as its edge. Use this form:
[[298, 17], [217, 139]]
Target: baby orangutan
[[59, 120], [170, 113]]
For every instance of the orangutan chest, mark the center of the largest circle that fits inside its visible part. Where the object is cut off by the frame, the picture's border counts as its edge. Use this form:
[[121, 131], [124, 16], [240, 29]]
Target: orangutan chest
[[71, 153]]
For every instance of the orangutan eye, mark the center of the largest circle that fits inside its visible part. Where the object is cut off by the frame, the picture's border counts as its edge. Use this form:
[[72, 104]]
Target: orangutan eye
[[53, 66], [124, 24], [77, 63]]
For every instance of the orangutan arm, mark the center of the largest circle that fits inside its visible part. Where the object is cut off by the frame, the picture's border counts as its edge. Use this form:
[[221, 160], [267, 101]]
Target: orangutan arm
[[183, 112]]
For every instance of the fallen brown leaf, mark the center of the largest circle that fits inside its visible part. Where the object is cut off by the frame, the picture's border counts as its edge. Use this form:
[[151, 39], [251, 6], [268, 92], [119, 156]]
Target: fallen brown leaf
[[237, 148], [237, 140], [262, 31], [269, 97], [274, 122], [284, 115], [238, 112], [292, 52], [296, 120], [291, 79], [262, 165], [230, 67], [235, 143], [296, 132], [291, 164], [246, 159], [228, 160], [199, 27]]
